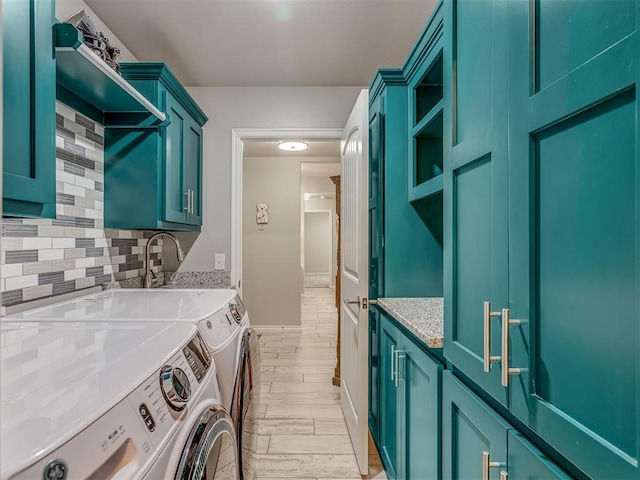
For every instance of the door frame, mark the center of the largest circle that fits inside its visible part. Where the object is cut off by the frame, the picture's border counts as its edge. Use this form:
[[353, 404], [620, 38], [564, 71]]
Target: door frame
[[237, 136]]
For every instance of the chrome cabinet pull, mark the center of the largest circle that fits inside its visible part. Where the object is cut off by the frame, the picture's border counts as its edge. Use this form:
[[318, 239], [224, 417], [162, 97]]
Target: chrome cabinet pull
[[392, 364], [504, 475], [188, 195], [399, 353], [193, 202], [487, 336], [487, 464], [506, 371]]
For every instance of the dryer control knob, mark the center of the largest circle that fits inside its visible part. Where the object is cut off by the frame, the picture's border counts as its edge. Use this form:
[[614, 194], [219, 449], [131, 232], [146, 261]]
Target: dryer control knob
[[175, 387]]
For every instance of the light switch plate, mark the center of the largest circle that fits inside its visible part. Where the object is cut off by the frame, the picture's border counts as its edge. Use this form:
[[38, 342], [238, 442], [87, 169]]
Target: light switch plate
[[219, 261]]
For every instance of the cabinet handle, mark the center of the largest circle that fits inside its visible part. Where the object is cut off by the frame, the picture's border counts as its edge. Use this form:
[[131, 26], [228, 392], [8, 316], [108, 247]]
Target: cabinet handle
[[506, 371], [487, 336], [392, 363], [399, 353], [188, 195], [504, 475], [487, 464], [193, 201]]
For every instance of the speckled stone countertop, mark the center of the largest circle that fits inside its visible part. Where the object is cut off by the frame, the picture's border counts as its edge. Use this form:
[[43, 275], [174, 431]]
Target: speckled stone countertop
[[216, 279], [424, 317]]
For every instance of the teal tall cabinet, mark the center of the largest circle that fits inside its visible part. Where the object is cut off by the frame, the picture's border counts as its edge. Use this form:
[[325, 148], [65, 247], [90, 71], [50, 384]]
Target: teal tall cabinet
[[574, 211], [521, 119], [542, 205], [29, 111], [153, 174], [476, 184]]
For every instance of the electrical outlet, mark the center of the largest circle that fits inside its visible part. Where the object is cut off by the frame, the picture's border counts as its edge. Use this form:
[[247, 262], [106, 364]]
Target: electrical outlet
[[219, 261]]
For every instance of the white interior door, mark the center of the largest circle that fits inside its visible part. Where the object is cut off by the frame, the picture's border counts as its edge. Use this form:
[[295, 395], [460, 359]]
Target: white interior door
[[354, 277]]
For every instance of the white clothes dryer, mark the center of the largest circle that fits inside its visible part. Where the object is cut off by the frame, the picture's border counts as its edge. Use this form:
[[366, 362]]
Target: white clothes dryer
[[223, 322], [102, 400]]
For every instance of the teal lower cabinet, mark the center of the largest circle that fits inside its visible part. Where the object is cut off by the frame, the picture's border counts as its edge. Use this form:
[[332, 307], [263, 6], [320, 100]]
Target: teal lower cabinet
[[409, 441], [478, 444], [374, 374]]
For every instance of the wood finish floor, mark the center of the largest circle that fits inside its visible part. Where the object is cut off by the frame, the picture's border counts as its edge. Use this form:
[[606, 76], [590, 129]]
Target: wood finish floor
[[302, 431]]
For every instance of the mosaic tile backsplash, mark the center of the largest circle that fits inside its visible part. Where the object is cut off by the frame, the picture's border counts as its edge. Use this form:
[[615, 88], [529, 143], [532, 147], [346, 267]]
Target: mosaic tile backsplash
[[45, 257]]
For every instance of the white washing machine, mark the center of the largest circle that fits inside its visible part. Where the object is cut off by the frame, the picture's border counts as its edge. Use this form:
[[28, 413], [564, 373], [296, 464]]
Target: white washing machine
[[223, 323], [102, 400]]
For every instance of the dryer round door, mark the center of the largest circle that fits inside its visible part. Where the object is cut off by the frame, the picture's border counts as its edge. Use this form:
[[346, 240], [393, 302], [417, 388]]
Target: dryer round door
[[211, 450]]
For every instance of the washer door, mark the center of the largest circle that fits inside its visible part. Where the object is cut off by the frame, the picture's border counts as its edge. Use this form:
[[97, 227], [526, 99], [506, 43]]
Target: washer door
[[246, 399], [211, 450]]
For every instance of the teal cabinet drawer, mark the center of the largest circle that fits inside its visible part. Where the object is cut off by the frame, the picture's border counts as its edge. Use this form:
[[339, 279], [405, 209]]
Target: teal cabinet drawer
[[29, 95], [160, 168]]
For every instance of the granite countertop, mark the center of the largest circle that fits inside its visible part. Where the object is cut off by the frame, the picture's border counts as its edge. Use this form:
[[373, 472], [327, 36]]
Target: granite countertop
[[424, 317]]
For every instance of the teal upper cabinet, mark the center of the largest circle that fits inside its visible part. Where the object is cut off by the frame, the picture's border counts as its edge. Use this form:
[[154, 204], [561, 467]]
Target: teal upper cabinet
[[477, 443], [424, 71], [410, 386], [153, 175], [29, 78], [574, 211], [395, 227], [476, 187]]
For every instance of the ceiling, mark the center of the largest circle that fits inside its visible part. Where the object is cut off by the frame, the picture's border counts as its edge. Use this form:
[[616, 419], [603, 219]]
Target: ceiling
[[268, 148], [268, 42]]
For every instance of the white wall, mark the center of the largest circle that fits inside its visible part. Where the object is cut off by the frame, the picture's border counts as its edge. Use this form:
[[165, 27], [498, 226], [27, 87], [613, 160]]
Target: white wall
[[317, 243], [271, 267], [250, 107], [66, 8]]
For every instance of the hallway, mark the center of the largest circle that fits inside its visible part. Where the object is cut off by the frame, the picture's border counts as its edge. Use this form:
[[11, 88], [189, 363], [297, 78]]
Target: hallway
[[302, 432]]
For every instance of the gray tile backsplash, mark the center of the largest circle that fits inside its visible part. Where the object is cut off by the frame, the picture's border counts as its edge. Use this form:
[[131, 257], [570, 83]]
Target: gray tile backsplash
[[44, 257]]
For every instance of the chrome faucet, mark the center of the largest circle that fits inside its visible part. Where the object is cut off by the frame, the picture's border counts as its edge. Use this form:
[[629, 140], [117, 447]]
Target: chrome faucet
[[150, 278]]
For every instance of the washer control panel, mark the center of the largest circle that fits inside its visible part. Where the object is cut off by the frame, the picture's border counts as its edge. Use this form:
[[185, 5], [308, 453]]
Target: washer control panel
[[237, 309]]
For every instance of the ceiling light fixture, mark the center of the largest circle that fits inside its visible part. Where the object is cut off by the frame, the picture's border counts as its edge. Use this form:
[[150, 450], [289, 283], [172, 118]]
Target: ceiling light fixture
[[293, 146]]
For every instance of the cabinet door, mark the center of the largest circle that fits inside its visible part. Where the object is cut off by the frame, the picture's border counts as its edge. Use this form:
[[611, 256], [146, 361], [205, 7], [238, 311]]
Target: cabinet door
[[473, 436], [193, 170], [374, 373], [476, 229], [176, 199], [574, 256], [419, 389], [390, 341], [29, 79], [376, 202], [527, 462]]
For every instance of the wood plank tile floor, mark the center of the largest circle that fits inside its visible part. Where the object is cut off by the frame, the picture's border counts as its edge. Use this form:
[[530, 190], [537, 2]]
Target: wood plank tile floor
[[302, 431]]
